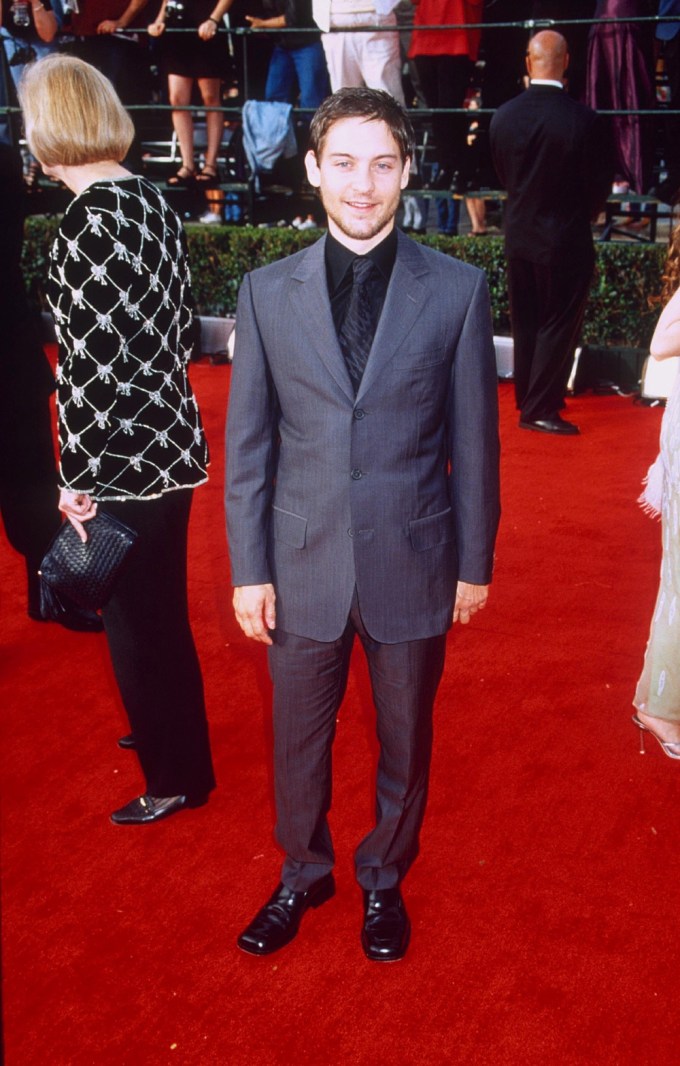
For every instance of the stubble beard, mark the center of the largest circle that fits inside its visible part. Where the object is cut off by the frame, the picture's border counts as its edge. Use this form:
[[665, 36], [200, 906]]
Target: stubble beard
[[363, 230]]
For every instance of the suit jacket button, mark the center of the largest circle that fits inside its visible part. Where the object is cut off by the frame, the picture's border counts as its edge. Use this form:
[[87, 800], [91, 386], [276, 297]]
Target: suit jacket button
[[356, 474], [359, 414]]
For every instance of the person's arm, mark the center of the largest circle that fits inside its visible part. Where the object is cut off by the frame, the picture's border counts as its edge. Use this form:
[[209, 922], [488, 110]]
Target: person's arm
[[209, 28], [155, 28], [666, 340], [122, 23], [252, 440], [45, 22], [90, 355], [277, 22], [474, 454]]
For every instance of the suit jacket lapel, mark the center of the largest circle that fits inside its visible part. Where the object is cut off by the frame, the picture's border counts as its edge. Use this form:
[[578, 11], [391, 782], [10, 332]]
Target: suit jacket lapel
[[309, 294], [406, 295]]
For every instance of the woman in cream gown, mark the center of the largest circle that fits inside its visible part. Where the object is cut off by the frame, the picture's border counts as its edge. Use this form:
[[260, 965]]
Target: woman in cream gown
[[657, 697]]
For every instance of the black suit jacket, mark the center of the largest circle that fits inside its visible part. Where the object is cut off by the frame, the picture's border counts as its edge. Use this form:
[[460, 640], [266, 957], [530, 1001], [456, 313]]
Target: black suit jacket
[[553, 156]]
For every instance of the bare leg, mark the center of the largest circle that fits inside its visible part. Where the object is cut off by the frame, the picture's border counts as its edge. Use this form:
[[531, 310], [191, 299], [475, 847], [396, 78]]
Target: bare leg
[[210, 89], [179, 91], [476, 209]]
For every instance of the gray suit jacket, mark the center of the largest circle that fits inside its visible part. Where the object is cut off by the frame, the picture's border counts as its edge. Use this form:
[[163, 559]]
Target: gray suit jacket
[[394, 491]]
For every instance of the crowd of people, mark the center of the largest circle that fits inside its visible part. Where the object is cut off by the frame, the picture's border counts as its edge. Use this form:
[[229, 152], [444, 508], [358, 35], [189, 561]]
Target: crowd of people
[[369, 449], [300, 50]]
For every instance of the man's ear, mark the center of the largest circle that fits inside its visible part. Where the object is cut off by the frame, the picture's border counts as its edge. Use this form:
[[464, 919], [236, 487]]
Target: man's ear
[[312, 168]]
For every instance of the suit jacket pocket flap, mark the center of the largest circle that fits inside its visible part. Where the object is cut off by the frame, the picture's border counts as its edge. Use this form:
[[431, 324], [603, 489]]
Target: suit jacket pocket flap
[[432, 531], [289, 528]]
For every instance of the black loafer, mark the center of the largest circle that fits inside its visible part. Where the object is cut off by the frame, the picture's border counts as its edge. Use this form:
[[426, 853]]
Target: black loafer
[[551, 425], [147, 809], [127, 742], [387, 929], [277, 923]]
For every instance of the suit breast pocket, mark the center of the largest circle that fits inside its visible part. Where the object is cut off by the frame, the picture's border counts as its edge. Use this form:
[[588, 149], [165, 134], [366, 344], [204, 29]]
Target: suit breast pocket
[[421, 360], [432, 531], [288, 528]]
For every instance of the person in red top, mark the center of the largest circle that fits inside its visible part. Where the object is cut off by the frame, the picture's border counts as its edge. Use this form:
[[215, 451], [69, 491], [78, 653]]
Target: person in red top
[[444, 60]]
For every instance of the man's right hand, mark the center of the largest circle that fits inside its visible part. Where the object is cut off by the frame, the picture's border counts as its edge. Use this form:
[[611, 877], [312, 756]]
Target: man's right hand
[[255, 609]]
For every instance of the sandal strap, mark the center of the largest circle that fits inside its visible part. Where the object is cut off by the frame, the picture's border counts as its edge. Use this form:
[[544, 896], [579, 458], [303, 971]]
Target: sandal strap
[[182, 174]]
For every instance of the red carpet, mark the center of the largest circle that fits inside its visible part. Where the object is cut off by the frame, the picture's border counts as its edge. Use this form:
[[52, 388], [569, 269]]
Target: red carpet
[[544, 903]]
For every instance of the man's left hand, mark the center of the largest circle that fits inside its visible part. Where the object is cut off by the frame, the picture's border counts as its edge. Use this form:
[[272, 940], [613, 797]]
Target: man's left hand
[[469, 600]]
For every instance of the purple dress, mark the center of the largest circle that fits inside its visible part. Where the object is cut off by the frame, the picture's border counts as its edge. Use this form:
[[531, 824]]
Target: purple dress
[[620, 77]]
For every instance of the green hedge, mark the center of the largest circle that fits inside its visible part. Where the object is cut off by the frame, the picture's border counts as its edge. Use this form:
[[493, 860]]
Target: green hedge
[[618, 310]]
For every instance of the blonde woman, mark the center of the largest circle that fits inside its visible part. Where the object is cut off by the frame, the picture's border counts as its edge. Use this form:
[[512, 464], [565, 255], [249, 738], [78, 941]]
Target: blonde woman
[[130, 432]]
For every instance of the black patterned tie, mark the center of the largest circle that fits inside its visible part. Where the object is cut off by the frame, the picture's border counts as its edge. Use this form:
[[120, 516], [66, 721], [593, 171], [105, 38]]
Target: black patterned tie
[[358, 327]]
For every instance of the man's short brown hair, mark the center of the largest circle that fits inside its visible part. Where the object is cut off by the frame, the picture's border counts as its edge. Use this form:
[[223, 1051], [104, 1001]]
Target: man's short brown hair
[[373, 105]]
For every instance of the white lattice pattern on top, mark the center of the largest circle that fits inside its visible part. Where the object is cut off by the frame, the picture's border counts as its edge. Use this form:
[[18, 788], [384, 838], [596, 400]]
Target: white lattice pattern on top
[[119, 289]]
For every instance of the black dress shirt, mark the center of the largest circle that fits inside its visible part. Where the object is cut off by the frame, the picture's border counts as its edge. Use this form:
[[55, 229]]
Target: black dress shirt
[[339, 274]]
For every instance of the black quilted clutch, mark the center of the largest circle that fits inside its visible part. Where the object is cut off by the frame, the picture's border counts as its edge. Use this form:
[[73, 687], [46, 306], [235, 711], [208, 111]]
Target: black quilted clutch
[[84, 574]]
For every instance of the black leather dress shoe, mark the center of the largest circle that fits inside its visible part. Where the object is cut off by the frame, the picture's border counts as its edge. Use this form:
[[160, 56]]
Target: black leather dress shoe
[[279, 920], [147, 809], [556, 424], [127, 742], [387, 928]]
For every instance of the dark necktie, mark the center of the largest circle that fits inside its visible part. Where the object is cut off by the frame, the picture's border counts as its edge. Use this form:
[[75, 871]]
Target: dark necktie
[[358, 327]]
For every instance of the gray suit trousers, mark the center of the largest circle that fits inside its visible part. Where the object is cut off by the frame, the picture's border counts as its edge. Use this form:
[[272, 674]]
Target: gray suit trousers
[[309, 679]]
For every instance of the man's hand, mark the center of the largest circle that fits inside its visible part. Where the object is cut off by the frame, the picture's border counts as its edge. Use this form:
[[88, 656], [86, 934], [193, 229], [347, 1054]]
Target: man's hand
[[255, 609], [469, 600], [78, 508]]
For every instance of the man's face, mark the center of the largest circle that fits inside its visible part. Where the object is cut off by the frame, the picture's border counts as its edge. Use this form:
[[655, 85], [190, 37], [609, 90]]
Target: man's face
[[360, 177]]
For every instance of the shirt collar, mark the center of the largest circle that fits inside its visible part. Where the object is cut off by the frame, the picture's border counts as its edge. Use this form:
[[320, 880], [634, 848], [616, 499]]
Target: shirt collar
[[547, 81], [339, 258]]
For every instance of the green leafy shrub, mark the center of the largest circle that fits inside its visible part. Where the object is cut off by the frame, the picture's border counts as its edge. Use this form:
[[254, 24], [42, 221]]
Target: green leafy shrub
[[618, 312]]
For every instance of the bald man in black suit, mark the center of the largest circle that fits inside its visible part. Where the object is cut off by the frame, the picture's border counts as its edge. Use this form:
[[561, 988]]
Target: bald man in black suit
[[551, 155]]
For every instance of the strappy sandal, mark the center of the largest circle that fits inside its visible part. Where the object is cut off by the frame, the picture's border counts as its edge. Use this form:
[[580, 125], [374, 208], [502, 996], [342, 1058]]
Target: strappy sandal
[[185, 176], [208, 176]]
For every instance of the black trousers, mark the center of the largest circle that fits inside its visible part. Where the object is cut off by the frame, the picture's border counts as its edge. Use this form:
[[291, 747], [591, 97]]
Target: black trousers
[[152, 648], [547, 305], [310, 678], [444, 82]]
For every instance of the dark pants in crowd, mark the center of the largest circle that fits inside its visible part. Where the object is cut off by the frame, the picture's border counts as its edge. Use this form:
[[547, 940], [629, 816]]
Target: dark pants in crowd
[[444, 82]]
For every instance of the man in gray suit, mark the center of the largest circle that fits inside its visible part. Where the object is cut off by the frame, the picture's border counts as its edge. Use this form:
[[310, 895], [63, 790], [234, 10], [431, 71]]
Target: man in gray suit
[[362, 499]]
